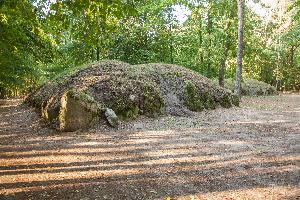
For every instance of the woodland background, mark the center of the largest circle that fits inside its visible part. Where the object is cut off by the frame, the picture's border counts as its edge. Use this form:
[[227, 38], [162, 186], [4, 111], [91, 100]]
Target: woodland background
[[41, 39]]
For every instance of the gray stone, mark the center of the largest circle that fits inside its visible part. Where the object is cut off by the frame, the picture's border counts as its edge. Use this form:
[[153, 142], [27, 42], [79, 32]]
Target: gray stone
[[131, 97], [111, 117], [76, 113]]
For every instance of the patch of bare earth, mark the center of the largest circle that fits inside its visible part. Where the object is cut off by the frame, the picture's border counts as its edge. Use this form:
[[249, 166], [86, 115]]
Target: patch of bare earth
[[251, 152]]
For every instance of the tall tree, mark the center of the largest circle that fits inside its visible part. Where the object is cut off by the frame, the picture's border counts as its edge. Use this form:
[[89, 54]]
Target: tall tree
[[209, 31], [226, 46], [240, 4]]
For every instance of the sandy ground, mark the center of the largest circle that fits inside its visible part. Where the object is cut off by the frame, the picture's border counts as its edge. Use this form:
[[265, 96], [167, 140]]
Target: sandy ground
[[251, 152]]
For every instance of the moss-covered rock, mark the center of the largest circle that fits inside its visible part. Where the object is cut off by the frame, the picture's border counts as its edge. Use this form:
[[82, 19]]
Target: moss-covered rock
[[77, 111], [50, 113], [111, 117], [125, 108]]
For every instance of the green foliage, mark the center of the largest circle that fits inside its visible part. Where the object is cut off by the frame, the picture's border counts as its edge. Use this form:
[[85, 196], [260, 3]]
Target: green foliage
[[40, 40], [23, 46]]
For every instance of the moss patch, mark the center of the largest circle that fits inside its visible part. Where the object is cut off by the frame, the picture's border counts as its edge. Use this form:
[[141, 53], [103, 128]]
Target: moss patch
[[152, 101], [192, 100], [225, 101], [124, 108], [209, 102], [128, 112], [235, 100], [87, 101]]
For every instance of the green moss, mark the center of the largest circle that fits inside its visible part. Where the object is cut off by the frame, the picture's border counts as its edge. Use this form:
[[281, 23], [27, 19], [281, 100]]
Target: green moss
[[192, 99], [174, 74], [38, 102], [129, 112], [209, 102], [235, 100], [225, 101], [153, 102], [124, 107], [260, 91], [86, 100], [81, 95]]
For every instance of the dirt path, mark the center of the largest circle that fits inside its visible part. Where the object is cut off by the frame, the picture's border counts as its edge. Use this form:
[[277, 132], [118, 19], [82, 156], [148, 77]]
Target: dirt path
[[252, 152]]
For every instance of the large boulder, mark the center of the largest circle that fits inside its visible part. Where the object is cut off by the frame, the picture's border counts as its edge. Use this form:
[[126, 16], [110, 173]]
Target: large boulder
[[77, 111], [78, 100]]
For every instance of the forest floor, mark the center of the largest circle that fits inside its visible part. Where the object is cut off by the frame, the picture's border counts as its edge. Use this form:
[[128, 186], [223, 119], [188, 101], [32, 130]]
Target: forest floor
[[250, 152]]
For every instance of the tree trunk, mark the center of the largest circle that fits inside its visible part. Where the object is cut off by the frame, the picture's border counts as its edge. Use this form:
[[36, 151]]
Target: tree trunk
[[209, 31], [200, 41], [170, 35], [223, 61], [292, 51], [171, 45], [98, 53], [237, 90]]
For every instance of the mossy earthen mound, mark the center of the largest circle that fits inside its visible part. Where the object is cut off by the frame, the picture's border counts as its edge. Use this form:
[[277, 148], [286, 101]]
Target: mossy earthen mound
[[76, 101], [251, 87]]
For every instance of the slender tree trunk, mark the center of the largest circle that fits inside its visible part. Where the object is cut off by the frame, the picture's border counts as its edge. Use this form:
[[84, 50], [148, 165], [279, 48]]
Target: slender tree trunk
[[171, 49], [97, 53], [278, 78], [92, 53], [171, 45], [237, 90], [223, 60], [200, 41], [209, 31], [170, 36], [292, 51]]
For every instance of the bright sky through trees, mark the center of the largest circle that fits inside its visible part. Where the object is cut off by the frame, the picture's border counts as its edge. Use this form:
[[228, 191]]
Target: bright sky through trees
[[181, 13], [263, 9]]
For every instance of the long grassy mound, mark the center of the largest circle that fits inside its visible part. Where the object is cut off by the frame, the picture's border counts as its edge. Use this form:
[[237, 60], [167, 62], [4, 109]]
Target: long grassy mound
[[76, 101], [251, 87]]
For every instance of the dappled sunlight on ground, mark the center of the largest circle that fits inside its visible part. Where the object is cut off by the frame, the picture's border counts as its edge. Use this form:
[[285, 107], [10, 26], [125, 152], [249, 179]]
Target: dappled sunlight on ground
[[276, 192], [231, 160]]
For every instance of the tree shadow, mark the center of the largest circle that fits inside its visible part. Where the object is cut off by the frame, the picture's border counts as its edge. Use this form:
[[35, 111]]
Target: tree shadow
[[142, 165]]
